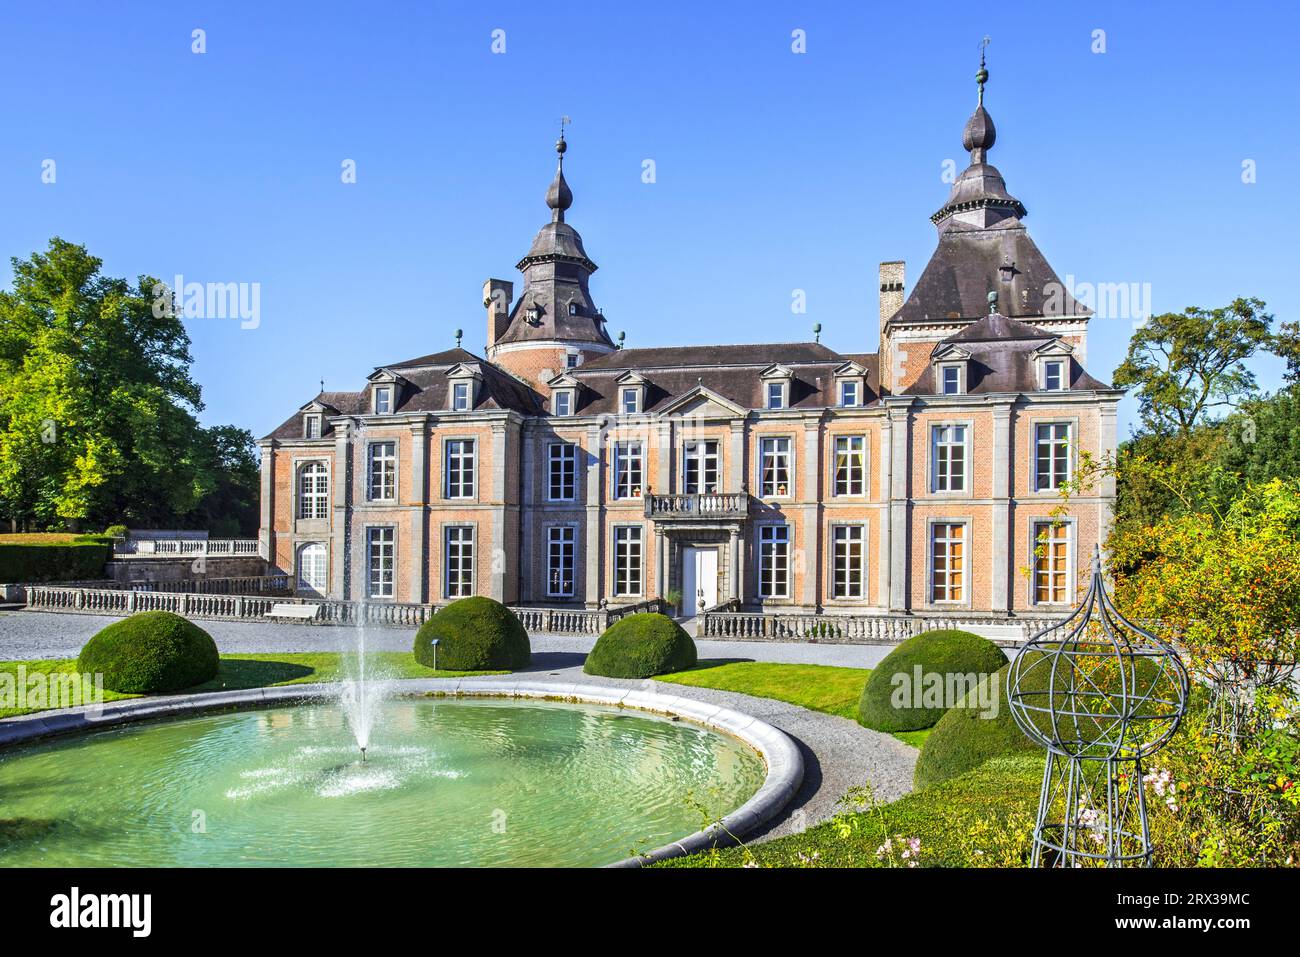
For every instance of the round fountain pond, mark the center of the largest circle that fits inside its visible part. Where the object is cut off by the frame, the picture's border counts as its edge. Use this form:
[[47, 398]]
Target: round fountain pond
[[447, 782]]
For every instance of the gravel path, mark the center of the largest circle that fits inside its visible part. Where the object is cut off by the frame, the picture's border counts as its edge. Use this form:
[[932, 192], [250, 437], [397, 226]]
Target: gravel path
[[838, 753]]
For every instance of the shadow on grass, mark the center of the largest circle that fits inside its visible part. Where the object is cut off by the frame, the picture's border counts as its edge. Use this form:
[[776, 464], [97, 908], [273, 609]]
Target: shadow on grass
[[704, 664], [237, 674]]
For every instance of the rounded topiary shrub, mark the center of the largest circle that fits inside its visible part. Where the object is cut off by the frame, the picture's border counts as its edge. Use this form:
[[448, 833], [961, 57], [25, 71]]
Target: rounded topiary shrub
[[899, 697], [474, 634], [640, 646], [977, 728], [151, 652]]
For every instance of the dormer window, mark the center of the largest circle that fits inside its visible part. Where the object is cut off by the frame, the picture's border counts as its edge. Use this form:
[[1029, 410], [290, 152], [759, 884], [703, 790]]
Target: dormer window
[[776, 395], [460, 396], [848, 394], [951, 380], [563, 405], [573, 308], [571, 359], [1054, 375], [630, 401], [311, 427], [383, 399]]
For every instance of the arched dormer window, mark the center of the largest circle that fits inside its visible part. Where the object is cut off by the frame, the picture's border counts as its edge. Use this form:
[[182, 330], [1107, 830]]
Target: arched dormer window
[[313, 491]]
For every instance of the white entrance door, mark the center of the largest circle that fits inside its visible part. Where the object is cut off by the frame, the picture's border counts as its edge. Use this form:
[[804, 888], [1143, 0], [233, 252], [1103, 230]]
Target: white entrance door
[[699, 579]]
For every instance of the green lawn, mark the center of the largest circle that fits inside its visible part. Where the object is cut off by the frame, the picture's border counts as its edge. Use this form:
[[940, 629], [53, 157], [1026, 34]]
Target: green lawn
[[982, 818], [258, 671], [817, 687]]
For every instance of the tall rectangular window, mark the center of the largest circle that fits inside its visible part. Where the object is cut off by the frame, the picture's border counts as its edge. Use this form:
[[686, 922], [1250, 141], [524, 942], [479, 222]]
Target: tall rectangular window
[[564, 403], [313, 491], [631, 401], [627, 470], [458, 560], [774, 561], [380, 558], [460, 396], [381, 484], [459, 468], [1054, 375], [559, 561], [700, 466], [951, 380], [1051, 562], [1052, 454], [850, 465], [948, 457], [848, 560], [773, 467], [947, 562], [562, 472], [384, 399], [848, 393], [313, 427], [627, 560], [776, 395]]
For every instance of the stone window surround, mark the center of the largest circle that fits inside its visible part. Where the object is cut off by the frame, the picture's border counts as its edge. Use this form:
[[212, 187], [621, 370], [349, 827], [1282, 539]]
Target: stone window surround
[[375, 390], [578, 564], [1071, 458], [446, 465], [318, 418], [719, 457], [968, 483], [297, 463], [613, 560], [365, 555], [831, 438], [968, 582], [865, 597], [298, 548], [789, 597], [443, 550], [939, 369], [613, 468], [1071, 562], [397, 471], [577, 468], [1044, 362], [793, 467]]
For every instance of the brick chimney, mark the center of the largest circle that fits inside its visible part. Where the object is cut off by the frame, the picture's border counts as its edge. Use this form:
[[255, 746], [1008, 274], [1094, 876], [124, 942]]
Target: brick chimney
[[497, 295], [891, 290]]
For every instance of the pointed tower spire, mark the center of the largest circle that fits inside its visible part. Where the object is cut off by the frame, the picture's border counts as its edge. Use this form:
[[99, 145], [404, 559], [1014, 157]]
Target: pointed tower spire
[[559, 197]]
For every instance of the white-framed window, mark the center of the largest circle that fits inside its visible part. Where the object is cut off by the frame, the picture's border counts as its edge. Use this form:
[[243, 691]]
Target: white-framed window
[[460, 396], [848, 560], [700, 467], [627, 560], [1051, 455], [850, 465], [849, 393], [573, 308], [381, 474], [564, 403], [950, 379], [381, 557], [459, 468], [572, 360], [1051, 562], [458, 561], [947, 562], [383, 399], [311, 427], [627, 469], [1054, 375], [629, 400], [774, 467], [313, 568], [561, 472], [313, 491], [559, 561], [776, 395], [948, 458], [774, 561]]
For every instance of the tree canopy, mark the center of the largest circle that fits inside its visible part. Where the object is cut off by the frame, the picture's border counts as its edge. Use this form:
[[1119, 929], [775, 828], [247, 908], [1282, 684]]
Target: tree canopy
[[98, 410]]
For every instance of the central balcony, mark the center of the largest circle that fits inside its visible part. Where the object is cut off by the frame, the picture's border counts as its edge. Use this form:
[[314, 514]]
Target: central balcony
[[704, 506]]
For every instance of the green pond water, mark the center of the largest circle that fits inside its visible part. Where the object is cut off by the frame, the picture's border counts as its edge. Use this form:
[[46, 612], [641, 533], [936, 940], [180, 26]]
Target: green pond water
[[448, 782]]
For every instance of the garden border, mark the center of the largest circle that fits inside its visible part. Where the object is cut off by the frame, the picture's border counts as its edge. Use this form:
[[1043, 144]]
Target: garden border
[[785, 766]]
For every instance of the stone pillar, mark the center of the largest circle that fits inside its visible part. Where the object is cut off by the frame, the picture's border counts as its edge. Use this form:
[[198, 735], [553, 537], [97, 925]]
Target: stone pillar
[[661, 563], [900, 519], [735, 565], [885, 477], [664, 458], [266, 530], [341, 544], [811, 512], [529, 440], [591, 538], [1000, 600], [497, 572], [419, 575], [736, 457]]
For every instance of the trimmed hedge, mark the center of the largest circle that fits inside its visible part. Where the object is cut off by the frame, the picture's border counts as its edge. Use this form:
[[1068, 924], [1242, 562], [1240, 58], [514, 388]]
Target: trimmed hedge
[[151, 652], [474, 634], [639, 646], [977, 728], [943, 653], [80, 560]]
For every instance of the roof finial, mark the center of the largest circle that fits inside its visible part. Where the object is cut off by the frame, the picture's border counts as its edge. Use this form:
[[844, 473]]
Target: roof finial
[[982, 76], [559, 197], [459, 333], [322, 385]]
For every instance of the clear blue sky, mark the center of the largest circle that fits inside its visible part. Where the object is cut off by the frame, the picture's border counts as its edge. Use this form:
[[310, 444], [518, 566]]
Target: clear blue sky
[[775, 171]]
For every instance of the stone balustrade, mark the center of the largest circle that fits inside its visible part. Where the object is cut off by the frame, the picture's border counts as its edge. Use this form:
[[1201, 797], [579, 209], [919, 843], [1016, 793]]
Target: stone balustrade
[[701, 506], [187, 548]]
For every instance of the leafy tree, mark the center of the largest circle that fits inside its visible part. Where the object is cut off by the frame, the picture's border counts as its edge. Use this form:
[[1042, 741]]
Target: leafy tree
[[97, 406], [1286, 344], [1187, 366]]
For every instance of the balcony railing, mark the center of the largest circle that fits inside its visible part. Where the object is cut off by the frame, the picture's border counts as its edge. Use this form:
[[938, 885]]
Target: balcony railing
[[186, 547], [702, 506]]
